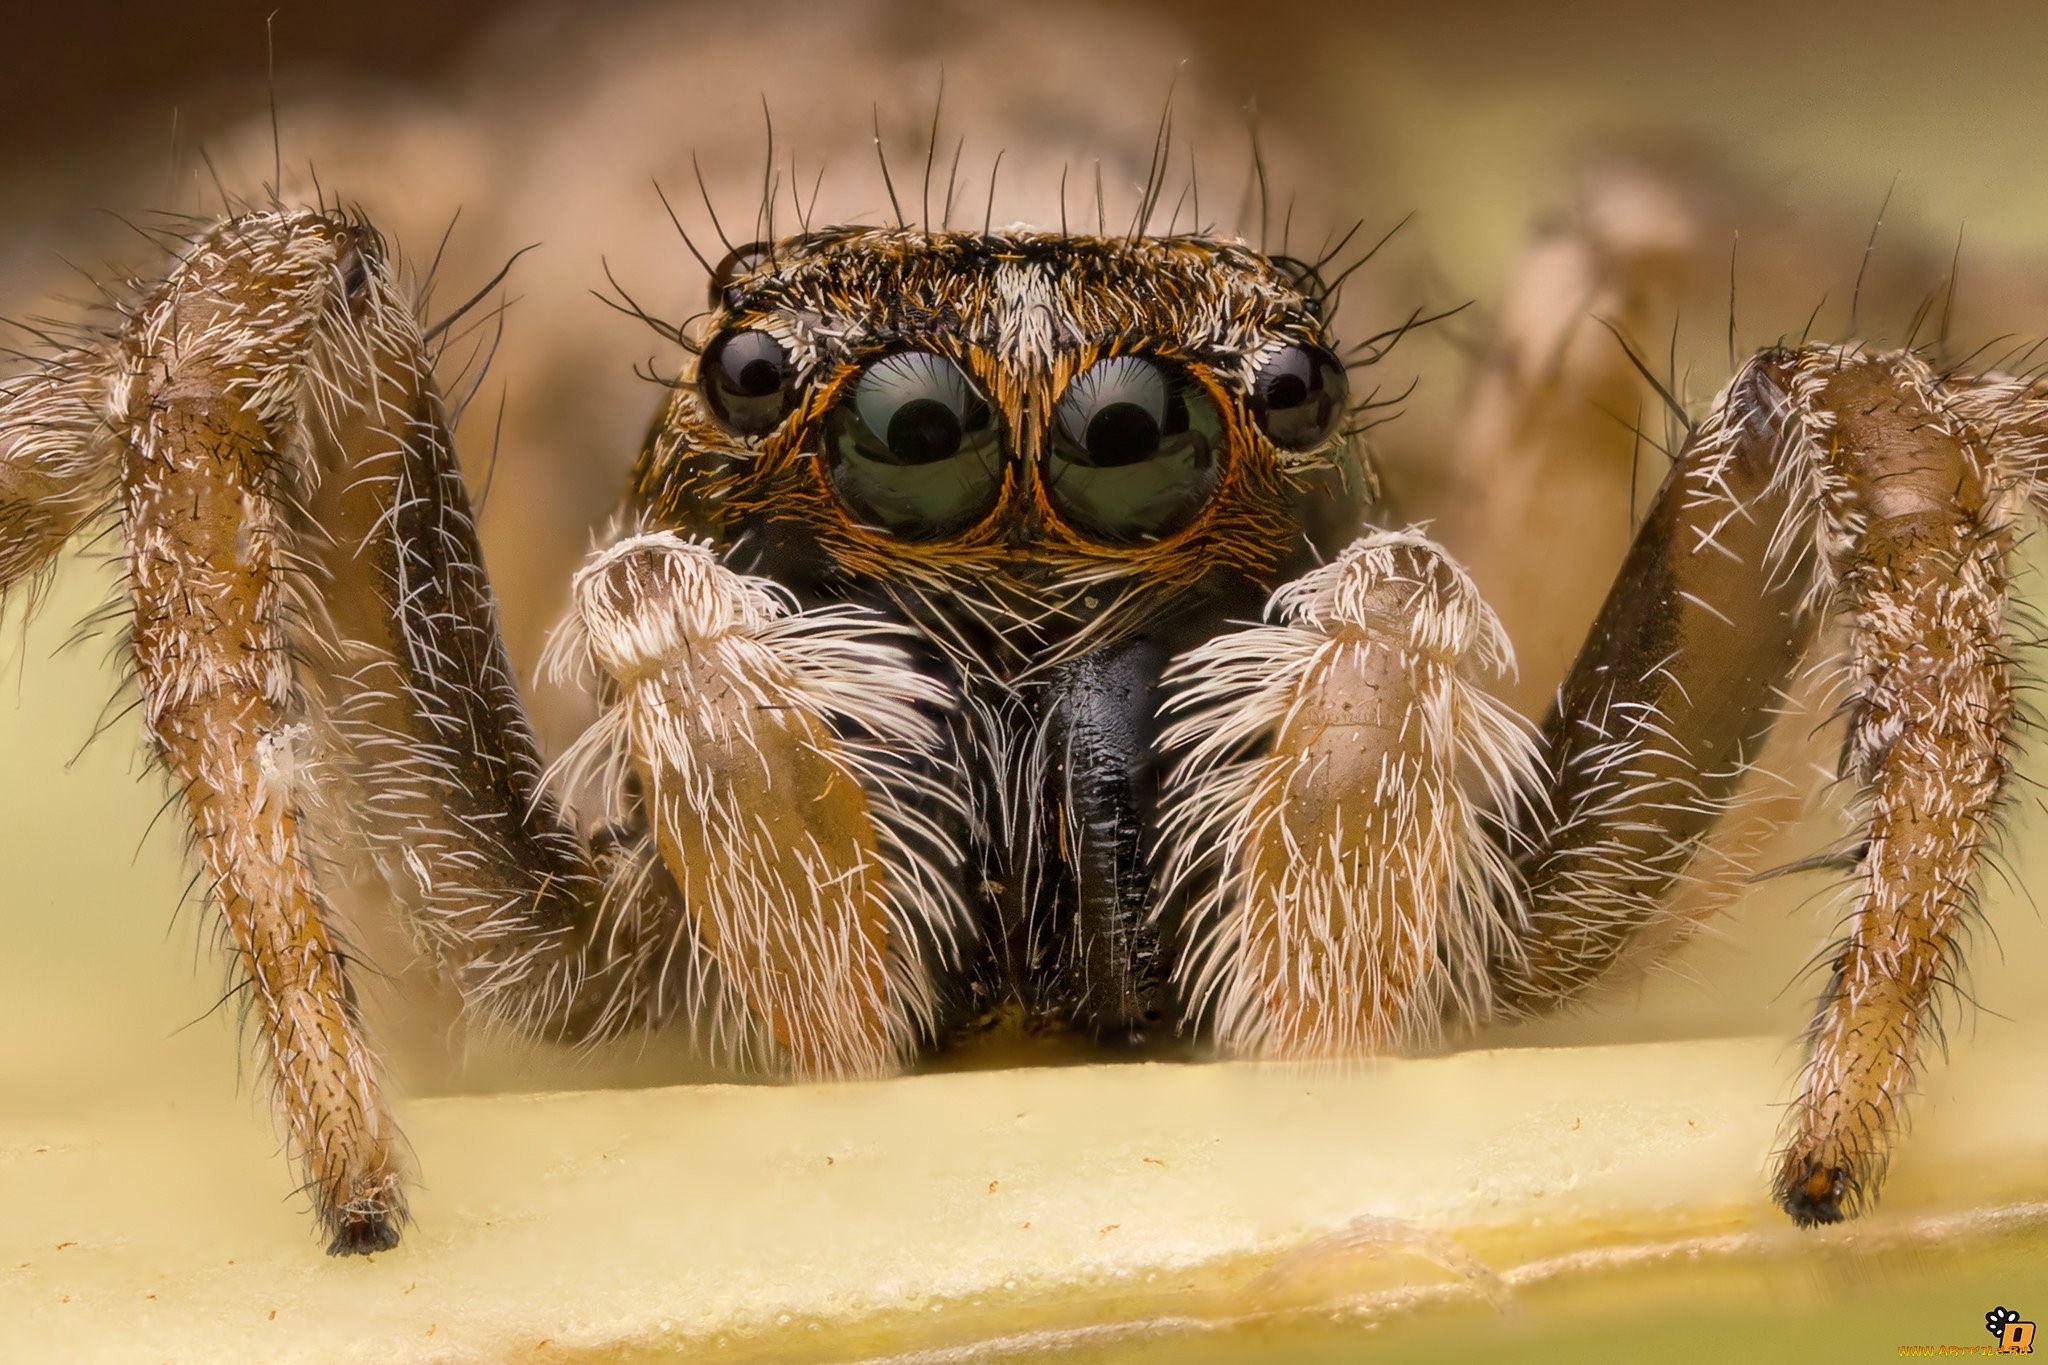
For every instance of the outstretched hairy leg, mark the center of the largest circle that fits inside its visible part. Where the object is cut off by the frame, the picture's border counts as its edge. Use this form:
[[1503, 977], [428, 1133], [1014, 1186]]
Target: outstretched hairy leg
[[1826, 484], [1918, 544], [177, 413], [318, 657]]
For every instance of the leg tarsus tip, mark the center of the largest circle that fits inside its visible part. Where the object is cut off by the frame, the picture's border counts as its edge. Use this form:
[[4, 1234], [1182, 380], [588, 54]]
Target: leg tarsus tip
[[363, 1234], [1814, 1195]]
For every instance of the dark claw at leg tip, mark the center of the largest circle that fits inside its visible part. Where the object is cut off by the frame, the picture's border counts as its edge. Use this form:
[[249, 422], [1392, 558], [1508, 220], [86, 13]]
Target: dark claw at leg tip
[[1816, 1196], [363, 1234]]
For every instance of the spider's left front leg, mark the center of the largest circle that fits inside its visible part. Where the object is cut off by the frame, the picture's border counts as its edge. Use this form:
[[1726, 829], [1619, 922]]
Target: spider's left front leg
[[316, 647]]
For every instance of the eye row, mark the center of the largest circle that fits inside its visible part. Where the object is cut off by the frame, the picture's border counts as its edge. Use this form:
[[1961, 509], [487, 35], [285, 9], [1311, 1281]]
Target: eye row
[[914, 448]]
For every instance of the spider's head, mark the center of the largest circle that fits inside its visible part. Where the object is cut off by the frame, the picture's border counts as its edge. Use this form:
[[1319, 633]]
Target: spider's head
[[1050, 434]]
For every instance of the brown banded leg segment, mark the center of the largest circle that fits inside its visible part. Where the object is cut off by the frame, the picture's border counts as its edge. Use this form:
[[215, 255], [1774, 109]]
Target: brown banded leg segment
[[1823, 481], [319, 656], [207, 564], [1918, 543], [1342, 897], [436, 778], [794, 790]]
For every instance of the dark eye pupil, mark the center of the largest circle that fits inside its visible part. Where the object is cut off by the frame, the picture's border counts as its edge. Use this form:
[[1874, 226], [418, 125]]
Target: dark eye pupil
[[759, 378], [924, 430], [1287, 391], [1134, 453], [1122, 433]]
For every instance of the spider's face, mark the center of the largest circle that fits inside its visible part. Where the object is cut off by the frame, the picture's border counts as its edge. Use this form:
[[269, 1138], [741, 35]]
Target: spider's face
[[1038, 438]]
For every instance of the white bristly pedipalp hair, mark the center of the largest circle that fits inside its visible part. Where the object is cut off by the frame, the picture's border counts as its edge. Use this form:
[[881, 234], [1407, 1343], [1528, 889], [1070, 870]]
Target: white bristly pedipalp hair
[[1342, 893], [794, 786]]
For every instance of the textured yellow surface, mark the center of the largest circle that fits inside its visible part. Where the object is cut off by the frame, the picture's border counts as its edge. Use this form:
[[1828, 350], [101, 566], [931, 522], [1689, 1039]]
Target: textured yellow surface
[[947, 1210]]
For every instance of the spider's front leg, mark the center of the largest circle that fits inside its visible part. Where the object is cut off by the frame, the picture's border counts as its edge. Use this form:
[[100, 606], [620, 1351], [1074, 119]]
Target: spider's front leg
[[182, 421]]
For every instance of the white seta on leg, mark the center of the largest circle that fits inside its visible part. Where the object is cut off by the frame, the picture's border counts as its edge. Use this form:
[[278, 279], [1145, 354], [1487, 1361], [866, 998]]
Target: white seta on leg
[[793, 781], [1343, 893]]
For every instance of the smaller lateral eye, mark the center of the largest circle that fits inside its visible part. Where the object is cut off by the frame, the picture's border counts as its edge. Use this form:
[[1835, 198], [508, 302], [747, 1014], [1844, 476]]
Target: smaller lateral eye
[[737, 262], [747, 382], [1298, 396]]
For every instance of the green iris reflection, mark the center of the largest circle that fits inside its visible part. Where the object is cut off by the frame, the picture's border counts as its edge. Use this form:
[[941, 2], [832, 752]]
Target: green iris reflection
[[1134, 453]]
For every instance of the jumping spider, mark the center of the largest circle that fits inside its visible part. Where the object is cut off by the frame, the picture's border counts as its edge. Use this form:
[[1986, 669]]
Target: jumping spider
[[932, 685]]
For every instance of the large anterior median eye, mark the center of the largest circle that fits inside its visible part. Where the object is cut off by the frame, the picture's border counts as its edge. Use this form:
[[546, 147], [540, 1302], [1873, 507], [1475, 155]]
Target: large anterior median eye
[[914, 448], [1135, 452]]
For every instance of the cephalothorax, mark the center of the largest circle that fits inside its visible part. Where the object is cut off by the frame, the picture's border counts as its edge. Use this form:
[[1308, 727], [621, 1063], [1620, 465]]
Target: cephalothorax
[[934, 689]]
